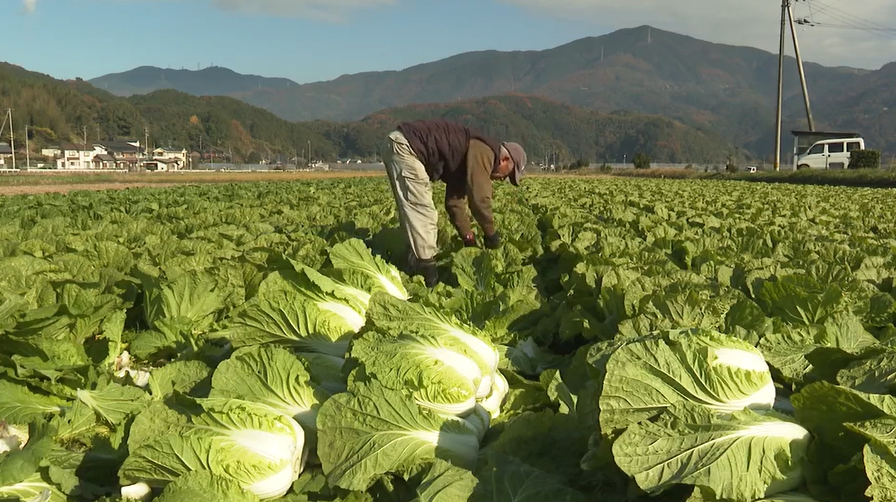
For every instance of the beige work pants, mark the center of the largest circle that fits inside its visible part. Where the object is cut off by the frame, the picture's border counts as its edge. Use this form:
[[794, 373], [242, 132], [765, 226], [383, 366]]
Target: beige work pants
[[412, 190]]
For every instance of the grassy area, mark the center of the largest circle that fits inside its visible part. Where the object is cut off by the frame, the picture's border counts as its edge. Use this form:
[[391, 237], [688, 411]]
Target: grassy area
[[873, 178]]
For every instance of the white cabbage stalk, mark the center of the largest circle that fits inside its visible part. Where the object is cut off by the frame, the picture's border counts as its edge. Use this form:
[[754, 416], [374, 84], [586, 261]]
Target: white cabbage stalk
[[764, 398], [495, 399], [488, 353], [351, 316], [463, 365], [12, 438], [792, 432], [123, 366], [8, 444], [137, 491], [391, 287], [277, 485], [479, 420], [270, 446]]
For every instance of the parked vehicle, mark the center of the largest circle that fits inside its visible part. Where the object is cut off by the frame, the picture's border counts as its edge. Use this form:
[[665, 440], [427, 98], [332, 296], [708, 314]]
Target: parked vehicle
[[829, 154]]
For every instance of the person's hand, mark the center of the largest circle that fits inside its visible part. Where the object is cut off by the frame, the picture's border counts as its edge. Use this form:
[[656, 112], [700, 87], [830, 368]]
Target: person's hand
[[493, 241], [469, 240]]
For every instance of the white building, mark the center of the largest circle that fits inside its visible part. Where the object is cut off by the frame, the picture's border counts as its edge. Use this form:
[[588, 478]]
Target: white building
[[52, 152], [161, 165], [172, 158], [78, 156]]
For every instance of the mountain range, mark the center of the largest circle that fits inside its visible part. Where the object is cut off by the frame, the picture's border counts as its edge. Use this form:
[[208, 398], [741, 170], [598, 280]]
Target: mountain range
[[57, 112], [729, 90]]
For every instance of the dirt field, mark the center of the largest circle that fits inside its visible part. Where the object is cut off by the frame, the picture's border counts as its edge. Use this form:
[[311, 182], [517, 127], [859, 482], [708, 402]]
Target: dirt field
[[24, 184], [55, 182]]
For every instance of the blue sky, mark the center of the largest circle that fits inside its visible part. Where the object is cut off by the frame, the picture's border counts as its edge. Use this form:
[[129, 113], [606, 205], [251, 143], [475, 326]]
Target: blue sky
[[310, 40], [119, 35]]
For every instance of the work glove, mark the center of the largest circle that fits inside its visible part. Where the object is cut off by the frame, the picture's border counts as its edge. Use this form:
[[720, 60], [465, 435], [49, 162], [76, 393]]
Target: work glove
[[469, 240], [493, 241]]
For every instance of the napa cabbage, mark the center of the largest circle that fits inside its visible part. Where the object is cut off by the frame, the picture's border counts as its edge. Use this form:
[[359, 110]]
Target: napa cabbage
[[253, 445]]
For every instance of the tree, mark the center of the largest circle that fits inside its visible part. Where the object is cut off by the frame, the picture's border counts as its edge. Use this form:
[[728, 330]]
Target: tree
[[641, 161], [253, 157]]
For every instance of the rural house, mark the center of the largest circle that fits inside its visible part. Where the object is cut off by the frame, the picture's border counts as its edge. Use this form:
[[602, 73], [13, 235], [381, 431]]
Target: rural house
[[5, 155], [53, 152], [104, 161], [161, 165], [166, 155], [126, 153], [78, 156]]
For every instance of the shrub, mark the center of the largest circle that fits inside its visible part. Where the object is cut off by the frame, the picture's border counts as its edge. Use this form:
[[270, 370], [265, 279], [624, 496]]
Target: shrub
[[641, 161], [864, 159]]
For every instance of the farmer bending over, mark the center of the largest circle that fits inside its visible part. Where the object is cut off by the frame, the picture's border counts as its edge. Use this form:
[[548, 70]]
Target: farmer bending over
[[419, 153]]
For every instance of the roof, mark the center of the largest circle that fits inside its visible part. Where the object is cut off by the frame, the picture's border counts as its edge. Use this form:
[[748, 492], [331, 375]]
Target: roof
[[78, 147], [5, 149], [119, 146], [831, 134], [165, 161], [103, 157]]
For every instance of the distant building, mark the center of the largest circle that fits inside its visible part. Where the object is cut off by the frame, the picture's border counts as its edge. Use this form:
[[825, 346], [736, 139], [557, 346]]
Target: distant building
[[52, 152], [173, 158], [127, 154], [104, 161], [5, 155], [78, 156], [161, 165], [118, 154]]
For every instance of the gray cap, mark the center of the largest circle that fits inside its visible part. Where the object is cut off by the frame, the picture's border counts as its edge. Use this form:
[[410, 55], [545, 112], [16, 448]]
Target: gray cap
[[519, 162]]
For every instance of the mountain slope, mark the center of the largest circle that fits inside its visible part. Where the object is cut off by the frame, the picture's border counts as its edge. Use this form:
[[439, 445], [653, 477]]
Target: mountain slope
[[726, 88], [212, 81], [61, 111], [547, 127]]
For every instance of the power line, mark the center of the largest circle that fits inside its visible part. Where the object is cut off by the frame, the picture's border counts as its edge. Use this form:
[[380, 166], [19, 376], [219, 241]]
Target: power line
[[844, 20], [849, 16]]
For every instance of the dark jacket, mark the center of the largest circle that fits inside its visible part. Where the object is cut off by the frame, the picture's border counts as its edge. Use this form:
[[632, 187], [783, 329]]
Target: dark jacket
[[464, 160]]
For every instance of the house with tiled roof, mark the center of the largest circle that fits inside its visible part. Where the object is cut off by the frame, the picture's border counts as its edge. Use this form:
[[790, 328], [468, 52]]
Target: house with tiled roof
[[166, 155], [77, 156], [127, 154], [5, 156]]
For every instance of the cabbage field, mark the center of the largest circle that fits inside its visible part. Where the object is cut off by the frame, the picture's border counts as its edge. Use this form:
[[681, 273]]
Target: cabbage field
[[632, 340]]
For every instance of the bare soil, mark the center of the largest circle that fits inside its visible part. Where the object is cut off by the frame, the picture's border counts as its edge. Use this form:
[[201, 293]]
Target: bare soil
[[30, 184], [39, 189]]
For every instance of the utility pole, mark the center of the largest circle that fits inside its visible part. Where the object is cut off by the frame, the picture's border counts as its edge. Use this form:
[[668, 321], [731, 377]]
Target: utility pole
[[787, 16], [785, 6], [799, 64], [145, 146], [27, 150], [12, 138], [98, 138]]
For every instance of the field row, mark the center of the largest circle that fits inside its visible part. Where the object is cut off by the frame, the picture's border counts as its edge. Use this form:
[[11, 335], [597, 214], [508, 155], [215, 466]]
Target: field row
[[632, 340]]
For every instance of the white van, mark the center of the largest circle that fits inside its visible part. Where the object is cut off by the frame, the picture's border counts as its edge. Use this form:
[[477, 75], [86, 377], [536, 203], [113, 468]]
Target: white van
[[829, 154]]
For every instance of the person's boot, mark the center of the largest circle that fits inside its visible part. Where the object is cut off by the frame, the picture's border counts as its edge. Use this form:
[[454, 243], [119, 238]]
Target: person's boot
[[429, 271]]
